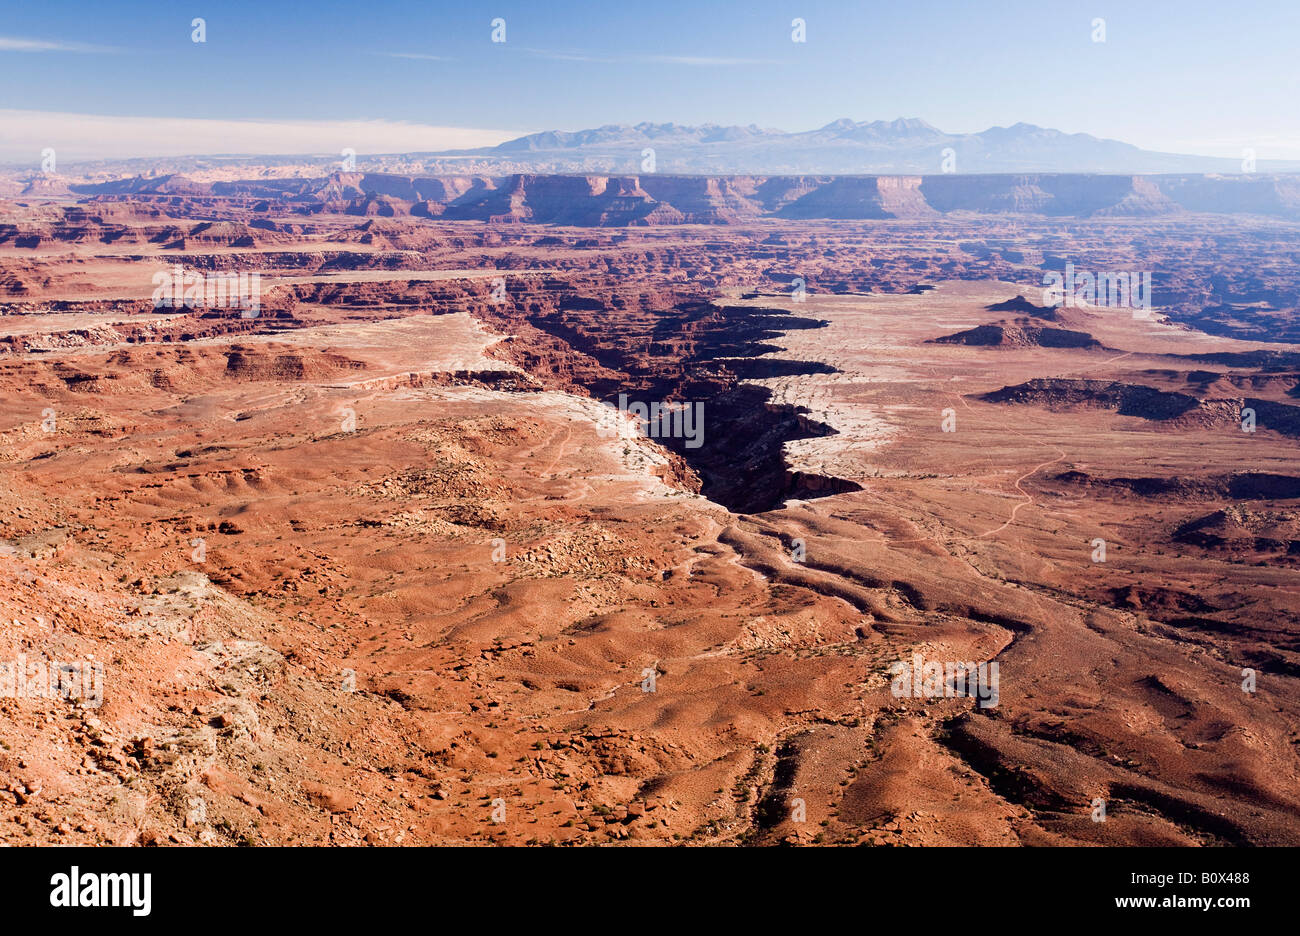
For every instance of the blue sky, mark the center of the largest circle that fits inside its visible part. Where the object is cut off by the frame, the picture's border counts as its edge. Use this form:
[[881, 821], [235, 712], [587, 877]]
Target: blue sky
[[1187, 76]]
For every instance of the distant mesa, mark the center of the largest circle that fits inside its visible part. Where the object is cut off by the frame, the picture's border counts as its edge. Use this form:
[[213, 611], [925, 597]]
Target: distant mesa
[[1023, 333], [1266, 358], [223, 234], [1022, 306], [1240, 528], [1235, 486], [1127, 399], [614, 200]]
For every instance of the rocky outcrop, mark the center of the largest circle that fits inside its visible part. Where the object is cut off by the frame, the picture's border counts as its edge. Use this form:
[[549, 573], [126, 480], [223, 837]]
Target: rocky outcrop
[[1179, 409], [1020, 334]]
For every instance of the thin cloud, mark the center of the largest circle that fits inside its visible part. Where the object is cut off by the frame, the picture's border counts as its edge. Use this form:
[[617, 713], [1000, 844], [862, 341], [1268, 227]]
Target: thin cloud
[[18, 44], [565, 56], [82, 137], [706, 61], [703, 61], [417, 55]]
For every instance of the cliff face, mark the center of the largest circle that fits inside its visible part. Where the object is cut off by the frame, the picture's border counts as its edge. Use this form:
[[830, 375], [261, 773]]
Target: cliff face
[[853, 197], [1053, 195], [580, 201], [661, 199], [620, 201], [704, 200], [1277, 196]]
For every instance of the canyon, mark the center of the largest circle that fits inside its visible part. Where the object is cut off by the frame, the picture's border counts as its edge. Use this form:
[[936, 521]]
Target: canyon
[[370, 566]]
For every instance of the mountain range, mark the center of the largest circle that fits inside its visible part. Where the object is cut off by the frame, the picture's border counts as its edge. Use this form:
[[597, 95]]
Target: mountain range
[[906, 145]]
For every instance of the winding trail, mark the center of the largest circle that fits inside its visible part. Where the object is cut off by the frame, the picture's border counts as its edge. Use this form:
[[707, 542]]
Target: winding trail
[[1028, 498], [1019, 483], [560, 452]]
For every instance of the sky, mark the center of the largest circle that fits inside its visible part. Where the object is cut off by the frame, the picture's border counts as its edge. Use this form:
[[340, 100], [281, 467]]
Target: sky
[[112, 79]]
